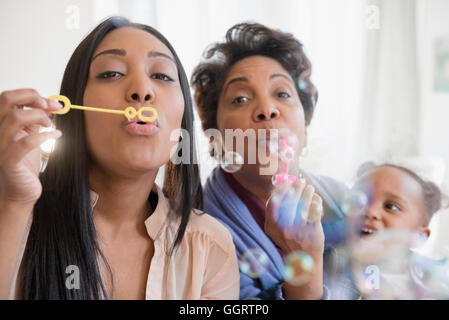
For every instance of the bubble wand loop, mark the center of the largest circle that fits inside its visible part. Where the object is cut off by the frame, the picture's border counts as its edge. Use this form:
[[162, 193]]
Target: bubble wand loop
[[287, 156], [129, 112]]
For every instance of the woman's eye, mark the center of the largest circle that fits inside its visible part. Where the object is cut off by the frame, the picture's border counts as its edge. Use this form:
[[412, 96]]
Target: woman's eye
[[162, 76], [239, 100], [283, 95], [392, 207], [109, 74]]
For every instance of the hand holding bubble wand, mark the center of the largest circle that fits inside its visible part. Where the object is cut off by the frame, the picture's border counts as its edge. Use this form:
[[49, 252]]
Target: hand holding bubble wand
[[288, 182], [128, 112]]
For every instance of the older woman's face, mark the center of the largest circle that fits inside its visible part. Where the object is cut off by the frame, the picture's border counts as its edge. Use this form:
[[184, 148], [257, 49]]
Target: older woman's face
[[132, 68], [258, 93]]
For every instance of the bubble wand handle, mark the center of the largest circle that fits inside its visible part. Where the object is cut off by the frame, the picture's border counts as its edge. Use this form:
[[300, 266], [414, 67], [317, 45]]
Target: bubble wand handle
[[129, 112]]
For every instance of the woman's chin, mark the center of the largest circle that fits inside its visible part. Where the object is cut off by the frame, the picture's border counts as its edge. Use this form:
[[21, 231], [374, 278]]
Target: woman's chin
[[264, 172], [143, 162]]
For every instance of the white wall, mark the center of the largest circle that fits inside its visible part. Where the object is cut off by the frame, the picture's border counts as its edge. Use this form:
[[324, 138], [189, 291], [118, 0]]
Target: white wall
[[433, 22], [37, 42]]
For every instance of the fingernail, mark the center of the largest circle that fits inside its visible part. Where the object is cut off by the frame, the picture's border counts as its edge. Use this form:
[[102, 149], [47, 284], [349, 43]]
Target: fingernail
[[311, 188], [44, 103], [318, 207], [55, 104]]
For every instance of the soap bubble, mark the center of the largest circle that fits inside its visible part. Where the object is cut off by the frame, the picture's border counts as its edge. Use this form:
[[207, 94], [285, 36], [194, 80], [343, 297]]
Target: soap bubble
[[298, 268], [304, 82], [354, 202], [231, 162], [254, 263], [429, 277], [276, 198]]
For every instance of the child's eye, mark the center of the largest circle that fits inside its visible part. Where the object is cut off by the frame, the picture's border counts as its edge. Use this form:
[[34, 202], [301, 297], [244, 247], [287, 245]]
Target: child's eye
[[240, 100], [109, 74], [283, 95], [162, 76], [392, 207]]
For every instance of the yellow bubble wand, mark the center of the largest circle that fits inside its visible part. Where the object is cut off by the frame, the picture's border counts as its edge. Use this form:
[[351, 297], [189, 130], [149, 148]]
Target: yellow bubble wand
[[129, 112]]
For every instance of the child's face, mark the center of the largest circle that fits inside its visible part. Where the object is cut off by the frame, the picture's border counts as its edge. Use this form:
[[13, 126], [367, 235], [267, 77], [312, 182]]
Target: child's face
[[395, 201]]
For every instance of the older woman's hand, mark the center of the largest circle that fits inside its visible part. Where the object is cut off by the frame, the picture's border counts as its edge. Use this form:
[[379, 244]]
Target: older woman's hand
[[293, 222], [293, 219]]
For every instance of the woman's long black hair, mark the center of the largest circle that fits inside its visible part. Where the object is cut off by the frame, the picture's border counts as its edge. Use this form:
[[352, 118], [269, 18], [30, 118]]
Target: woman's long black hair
[[63, 231]]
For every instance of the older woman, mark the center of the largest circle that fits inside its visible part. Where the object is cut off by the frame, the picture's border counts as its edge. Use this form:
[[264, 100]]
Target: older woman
[[258, 78]]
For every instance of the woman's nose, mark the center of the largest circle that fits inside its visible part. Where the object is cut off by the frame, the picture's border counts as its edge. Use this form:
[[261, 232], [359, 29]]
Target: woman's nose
[[137, 98], [140, 90], [266, 112]]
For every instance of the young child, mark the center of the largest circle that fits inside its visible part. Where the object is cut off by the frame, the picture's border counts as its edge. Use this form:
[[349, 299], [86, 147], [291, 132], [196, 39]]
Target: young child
[[397, 199]]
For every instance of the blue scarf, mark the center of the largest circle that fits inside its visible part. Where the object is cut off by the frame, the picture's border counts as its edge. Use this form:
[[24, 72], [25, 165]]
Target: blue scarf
[[221, 202]]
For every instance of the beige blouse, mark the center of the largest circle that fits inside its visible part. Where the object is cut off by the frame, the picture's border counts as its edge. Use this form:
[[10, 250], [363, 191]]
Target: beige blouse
[[204, 266]]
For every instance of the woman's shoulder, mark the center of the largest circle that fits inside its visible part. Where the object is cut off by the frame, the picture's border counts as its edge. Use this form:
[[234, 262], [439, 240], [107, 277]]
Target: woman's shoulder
[[210, 229]]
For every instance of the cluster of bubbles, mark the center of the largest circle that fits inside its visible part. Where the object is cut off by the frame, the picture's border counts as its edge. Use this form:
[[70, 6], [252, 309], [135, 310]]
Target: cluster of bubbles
[[298, 265], [387, 265]]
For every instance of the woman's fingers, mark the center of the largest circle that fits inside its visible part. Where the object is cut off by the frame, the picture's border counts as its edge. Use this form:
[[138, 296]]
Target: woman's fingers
[[18, 120], [293, 217], [24, 97], [22, 147], [304, 205], [273, 204], [285, 205], [316, 209], [290, 203], [299, 187]]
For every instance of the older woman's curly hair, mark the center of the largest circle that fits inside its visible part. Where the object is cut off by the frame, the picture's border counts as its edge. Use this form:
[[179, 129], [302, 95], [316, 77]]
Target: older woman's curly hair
[[244, 40]]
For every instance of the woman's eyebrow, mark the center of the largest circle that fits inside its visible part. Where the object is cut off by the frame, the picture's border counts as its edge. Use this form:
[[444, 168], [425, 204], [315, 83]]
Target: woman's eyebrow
[[234, 80], [276, 75], [119, 52], [159, 54], [122, 52]]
